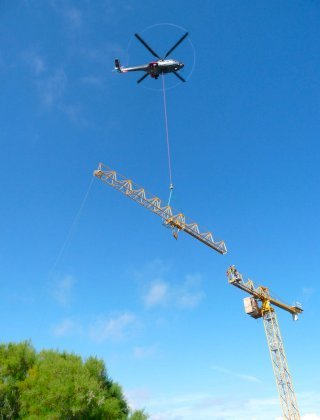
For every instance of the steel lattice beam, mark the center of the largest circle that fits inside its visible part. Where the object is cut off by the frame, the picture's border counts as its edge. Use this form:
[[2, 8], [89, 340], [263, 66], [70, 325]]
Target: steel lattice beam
[[262, 293], [261, 307], [177, 221], [282, 375]]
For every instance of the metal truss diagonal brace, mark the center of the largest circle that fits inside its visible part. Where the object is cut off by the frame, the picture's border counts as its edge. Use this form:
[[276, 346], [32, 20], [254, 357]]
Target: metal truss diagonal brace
[[177, 221], [283, 377]]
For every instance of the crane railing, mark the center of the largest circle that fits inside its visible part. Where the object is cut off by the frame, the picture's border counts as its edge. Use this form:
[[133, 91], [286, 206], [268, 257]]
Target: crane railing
[[175, 220]]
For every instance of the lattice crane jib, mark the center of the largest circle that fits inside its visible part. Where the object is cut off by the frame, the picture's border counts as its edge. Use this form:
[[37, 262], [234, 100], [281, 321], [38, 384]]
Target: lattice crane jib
[[175, 220], [260, 305]]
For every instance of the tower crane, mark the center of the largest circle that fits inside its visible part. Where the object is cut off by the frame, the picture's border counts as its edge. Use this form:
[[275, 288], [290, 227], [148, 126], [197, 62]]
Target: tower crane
[[175, 220], [260, 305]]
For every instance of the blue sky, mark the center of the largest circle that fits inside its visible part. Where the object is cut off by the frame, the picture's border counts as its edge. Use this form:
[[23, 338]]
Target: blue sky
[[106, 278]]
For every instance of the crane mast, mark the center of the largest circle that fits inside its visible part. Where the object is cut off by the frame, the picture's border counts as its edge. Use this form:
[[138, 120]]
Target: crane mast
[[259, 305], [175, 220]]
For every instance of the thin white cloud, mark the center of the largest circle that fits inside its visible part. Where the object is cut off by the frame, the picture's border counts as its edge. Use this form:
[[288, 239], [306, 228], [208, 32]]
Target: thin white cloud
[[144, 352], [157, 293], [202, 406], [187, 407], [116, 328], [34, 61], [73, 15], [63, 290], [137, 397], [51, 84], [73, 112], [103, 329], [66, 327], [190, 300], [52, 87], [307, 293], [235, 374], [185, 295], [189, 294], [92, 80], [309, 404], [113, 10], [148, 270]]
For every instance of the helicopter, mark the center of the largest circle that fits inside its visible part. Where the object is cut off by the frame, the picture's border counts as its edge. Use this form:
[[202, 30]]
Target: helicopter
[[155, 68]]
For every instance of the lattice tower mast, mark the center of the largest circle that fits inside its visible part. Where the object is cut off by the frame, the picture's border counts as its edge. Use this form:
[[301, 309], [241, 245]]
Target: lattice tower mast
[[175, 220], [260, 305]]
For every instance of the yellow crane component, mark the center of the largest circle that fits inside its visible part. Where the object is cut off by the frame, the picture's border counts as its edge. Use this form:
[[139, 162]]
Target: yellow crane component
[[259, 305], [175, 220]]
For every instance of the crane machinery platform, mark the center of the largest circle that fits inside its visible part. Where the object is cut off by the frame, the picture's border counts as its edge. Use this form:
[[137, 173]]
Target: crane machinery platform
[[260, 305], [175, 220]]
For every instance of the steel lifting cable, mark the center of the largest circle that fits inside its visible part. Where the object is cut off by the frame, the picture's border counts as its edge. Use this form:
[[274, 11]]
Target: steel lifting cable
[[167, 137]]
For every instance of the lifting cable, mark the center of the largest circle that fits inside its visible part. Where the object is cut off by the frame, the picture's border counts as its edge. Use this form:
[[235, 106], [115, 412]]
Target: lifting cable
[[167, 137]]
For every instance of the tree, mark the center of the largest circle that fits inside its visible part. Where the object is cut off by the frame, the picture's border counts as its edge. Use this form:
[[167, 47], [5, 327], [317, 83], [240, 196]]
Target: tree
[[15, 362], [139, 415], [58, 385]]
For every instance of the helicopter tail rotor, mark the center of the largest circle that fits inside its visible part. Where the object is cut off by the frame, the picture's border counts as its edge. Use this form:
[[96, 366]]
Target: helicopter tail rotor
[[117, 65]]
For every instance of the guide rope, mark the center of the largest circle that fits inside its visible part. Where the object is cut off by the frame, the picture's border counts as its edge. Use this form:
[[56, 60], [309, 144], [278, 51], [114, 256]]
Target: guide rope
[[71, 230], [167, 137]]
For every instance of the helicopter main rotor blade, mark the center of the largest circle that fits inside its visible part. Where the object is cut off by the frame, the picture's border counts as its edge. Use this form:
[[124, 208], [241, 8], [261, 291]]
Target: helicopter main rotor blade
[[146, 45], [176, 44], [179, 77], [143, 77]]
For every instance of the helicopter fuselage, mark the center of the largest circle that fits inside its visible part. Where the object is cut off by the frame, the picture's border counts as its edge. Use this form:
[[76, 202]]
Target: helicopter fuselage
[[155, 68]]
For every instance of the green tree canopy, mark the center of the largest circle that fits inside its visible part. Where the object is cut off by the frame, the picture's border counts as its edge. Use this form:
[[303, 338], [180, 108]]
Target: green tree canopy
[[58, 385]]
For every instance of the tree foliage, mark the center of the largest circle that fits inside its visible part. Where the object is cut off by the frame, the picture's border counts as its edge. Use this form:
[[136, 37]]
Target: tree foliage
[[58, 385]]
